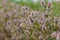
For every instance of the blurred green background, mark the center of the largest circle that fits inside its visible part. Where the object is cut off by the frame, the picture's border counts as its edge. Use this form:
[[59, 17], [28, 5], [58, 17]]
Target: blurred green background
[[35, 5]]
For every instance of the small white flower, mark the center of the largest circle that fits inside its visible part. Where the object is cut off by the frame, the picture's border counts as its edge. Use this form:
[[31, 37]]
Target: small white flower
[[55, 19], [9, 23], [41, 37], [24, 8], [8, 14], [42, 2], [44, 28], [34, 13], [26, 32], [54, 34], [28, 22]]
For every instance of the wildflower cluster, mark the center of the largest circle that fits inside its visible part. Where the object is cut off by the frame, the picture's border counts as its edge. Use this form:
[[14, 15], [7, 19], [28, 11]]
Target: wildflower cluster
[[19, 22]]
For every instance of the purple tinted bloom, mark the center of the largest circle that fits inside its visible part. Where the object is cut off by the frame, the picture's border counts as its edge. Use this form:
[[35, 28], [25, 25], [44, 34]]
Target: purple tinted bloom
[[54, 34], [58, 36]]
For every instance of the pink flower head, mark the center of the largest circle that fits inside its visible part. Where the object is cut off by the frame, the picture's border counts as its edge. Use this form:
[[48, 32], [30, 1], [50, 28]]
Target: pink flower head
[[44, 28], [54, 34], [34, 13], [42, 2], [58, 36], [41, 37], [9, 23], [49, 5], [24, 8]]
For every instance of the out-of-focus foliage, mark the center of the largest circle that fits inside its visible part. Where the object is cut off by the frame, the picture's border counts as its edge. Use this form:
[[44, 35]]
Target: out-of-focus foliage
[[36, 5]]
